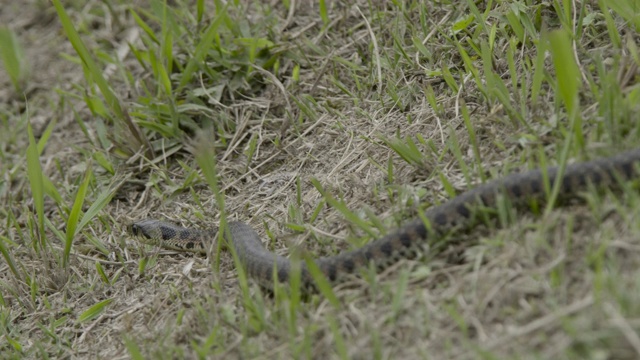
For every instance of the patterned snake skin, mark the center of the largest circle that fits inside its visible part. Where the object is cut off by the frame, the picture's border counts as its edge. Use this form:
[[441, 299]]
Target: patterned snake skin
[[408, 241]]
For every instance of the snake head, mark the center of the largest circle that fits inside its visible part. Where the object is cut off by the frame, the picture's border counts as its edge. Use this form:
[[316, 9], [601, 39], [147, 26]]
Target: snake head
[[135, 230], [139, 229], [169, 236], [150, 230]]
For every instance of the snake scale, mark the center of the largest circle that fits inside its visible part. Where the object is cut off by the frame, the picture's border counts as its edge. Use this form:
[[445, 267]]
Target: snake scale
[[408, 241]]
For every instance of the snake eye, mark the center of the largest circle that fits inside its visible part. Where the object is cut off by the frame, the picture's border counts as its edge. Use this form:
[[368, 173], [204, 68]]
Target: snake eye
[[135, 229]]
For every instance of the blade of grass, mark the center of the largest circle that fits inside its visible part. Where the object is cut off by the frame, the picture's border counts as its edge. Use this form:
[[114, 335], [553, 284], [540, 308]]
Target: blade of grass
[[205, 157], [568, 78], [74, 215], [8, 258], [34, 173], [323, 12], [321, 282], [338, 338], [342, 207], [13, 58], [567, 71], [133, 349], [99, 203], [94, 311], [538, 73]]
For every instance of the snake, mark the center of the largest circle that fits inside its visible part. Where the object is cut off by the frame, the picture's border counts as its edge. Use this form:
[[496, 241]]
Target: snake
[[414, 238]]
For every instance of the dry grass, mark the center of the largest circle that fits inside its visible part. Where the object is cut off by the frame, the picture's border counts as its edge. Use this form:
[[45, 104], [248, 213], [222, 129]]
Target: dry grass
[[391, 107]]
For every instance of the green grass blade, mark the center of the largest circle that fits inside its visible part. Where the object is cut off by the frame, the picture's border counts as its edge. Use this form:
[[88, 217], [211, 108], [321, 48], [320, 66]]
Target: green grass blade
[[102, 200], [321, 282], [205, 157], [102, 274], [34, 172], [323, 12], [568, 75], [144, 26], [342, 207], [8, 258], [14, 344], [199, 10], [51, 190], [538, 73], [338, 338], [74, 215], [567, 71], [46, 134], [13, 58], [133, 349], [94, 311]]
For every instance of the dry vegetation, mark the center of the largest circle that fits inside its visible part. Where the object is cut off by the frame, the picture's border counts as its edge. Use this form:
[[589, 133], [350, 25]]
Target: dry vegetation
[[391, 106]]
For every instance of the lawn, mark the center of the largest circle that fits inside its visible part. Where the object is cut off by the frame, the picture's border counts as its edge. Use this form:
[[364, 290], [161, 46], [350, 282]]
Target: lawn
[[324, 125]]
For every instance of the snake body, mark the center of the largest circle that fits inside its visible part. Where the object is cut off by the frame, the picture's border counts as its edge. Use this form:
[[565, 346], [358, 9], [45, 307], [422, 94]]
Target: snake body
[[408, 241]]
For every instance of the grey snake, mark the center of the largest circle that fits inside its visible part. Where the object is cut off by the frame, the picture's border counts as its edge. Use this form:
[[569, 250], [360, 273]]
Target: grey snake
[[408, 241]]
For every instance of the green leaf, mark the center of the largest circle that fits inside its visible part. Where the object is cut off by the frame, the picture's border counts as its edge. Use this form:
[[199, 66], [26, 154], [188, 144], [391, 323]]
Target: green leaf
[[102, 274], [567, 71], [323, 12], [321, 282], [14, 344], [94, 311], [12, 57], [99, 203], [133, 349], [74, 215], [8, 258], [102, 160], [342, 207], [34, 172], [144, 26], [462, 23]]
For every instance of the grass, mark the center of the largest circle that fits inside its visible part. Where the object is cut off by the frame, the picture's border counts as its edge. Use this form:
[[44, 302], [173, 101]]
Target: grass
[[323, 125]]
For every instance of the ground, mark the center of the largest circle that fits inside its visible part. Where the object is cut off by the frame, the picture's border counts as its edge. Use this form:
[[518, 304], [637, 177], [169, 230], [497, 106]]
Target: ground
[[324, 125]]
